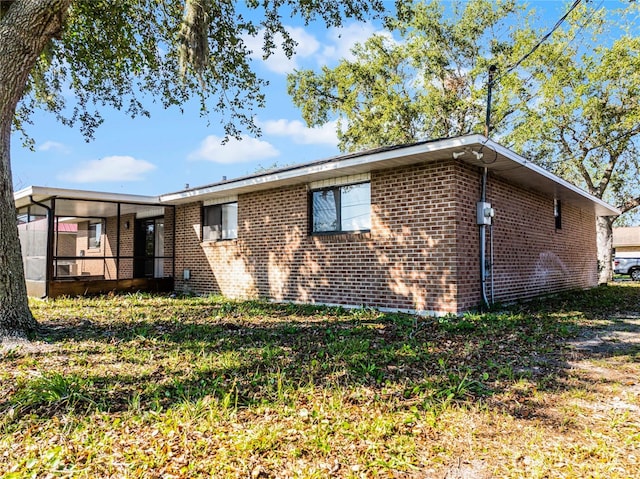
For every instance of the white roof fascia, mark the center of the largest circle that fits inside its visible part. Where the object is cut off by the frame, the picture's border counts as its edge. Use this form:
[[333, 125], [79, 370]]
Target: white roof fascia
[[312, 169], [322, 169], [43, 193], [501, 150]]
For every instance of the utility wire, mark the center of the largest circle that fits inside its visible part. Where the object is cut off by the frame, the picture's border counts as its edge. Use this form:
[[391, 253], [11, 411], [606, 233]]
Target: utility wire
[[545, 37], [495, 80], [568, 43], [579, 31]]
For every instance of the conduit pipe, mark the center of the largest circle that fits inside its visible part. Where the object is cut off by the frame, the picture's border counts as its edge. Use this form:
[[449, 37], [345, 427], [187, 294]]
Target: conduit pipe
[[483, 241]]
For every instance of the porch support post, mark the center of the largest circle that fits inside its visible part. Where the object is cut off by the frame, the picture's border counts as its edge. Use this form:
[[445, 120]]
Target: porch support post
[[51, 222], [51, 214]]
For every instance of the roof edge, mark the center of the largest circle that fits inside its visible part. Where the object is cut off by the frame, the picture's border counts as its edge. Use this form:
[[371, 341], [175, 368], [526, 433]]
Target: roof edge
[[42, 193], [498, 148], [319, 166]]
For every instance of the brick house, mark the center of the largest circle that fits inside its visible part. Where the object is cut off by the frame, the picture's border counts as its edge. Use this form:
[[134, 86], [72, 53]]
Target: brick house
[[434, 227]]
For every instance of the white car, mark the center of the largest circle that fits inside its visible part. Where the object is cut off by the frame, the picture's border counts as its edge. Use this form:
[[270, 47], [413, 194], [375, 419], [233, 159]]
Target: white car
[[630, 266]]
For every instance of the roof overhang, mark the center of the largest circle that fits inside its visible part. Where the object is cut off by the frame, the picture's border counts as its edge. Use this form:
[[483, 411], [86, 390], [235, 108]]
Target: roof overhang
[[83, 203], [496, 158], [626, 236]]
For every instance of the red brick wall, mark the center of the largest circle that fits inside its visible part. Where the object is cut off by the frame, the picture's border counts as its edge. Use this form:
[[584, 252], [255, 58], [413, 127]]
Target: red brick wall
[[531, 256], [91, 263], [65, 244], [168, 242], [467, 194], [126, 246], [421, 253], [405, 262]]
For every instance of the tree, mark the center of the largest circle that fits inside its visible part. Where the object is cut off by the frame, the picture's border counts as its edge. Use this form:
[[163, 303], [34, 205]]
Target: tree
[[113, 53], [425, 77], [572, 105], [584, 122]]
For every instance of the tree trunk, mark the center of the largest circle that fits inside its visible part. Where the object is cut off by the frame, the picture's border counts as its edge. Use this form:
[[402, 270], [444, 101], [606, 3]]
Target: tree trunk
[[604, 239], [15, 316], [25, 30]]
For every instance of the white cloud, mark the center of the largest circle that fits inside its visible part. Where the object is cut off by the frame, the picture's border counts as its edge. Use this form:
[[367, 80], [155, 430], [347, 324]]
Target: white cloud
[[54, 146], [337, 45], [342, 40], [297, 132], [234, 151], [307, 45], [109, 168]]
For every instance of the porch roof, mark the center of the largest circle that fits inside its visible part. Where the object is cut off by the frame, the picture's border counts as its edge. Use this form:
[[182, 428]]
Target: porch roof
[[84, 203], [475, 150]]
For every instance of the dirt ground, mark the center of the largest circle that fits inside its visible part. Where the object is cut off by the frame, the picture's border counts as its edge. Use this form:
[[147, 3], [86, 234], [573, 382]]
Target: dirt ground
[[597, 355]]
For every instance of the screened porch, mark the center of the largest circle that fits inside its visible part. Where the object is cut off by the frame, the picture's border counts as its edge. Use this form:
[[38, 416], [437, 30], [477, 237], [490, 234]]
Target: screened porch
[[77, 243]]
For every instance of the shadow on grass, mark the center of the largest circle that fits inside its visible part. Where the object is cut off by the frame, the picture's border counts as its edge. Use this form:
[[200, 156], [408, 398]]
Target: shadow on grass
[[150, 353]]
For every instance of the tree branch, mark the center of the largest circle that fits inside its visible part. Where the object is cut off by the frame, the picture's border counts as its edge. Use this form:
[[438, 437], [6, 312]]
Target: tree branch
[[579, 163], [606, 175], [630, 204]]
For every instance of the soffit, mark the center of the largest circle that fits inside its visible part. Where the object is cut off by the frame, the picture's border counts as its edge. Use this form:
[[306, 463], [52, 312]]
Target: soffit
[[83, 203], [499, 160]]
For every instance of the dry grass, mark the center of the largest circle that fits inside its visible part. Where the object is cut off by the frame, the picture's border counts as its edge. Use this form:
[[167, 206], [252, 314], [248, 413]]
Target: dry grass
[[143, 386]]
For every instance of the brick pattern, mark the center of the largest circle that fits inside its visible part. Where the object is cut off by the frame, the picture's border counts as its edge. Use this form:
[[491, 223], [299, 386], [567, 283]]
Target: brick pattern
[[125, 268], [91, 263], [531, 256], [421, 253], [467, 194], [168, 242], [65, 243], [404, 262]]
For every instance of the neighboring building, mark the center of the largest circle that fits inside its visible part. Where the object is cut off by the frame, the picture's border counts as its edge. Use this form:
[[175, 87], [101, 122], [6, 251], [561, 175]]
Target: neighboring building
[[396, 228], [626, 241]]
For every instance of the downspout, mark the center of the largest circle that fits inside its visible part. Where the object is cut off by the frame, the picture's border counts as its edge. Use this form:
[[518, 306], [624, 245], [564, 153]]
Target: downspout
[[484, 211], [483, 239], [50, 228], [491, 262]]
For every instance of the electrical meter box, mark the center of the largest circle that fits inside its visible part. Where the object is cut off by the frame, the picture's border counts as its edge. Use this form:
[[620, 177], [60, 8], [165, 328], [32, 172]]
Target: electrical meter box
[[485, 213]]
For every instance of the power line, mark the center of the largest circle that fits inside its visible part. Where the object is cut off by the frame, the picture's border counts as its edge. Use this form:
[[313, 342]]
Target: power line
[[579, 31], [491, 81], [545, 37]]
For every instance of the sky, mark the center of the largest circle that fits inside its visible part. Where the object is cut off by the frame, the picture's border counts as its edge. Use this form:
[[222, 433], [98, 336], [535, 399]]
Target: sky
[[173, 149]]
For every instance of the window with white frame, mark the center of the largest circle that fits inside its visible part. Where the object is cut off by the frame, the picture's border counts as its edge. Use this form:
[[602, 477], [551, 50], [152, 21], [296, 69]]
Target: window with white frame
[[95, 234], [338, 209], [220, 222]]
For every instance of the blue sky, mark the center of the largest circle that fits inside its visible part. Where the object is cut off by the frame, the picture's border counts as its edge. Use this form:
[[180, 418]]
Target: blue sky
[[162, 154]]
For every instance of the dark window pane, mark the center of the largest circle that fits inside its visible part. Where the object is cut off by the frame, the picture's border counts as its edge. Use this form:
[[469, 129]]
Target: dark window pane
[[557, 212], [325, 210], [220, 222]]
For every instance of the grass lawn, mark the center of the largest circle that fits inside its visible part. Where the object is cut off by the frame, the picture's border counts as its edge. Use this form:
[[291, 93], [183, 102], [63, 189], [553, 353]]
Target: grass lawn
[[151, 386]]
